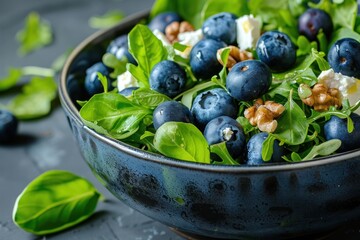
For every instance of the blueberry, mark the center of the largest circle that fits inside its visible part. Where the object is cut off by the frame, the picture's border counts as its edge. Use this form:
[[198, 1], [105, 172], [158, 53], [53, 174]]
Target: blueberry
[[248, 80], [203, 60], [344, 57], [8, 126], [221, 26], [276, 50], [92, 82], [227, 129], [128, 91], [336, 128], [254, 149], [211, 104], [171, 111], [168, 77], [312, 21], [120, 48], [162, 20]]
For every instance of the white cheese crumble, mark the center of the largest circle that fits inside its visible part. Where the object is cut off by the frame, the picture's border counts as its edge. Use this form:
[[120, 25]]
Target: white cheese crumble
[[161, 37], [248, 31], [227, 133], [349, 87], [189, 39], [126, 80]]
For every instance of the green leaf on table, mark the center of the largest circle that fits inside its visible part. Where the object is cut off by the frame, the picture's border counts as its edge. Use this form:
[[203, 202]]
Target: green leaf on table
[[148, 98], [59, 62], [13, 77], [54, 201], [147, 50], [35, 99], [113, 114], [182, 141], [107, 20], [36, 34]]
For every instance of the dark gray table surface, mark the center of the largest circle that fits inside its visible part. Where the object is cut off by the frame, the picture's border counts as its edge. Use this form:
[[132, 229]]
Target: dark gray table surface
[[47, 143]]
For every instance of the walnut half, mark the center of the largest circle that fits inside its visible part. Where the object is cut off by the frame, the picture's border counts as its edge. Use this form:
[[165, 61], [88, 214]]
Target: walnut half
[[319, 97]]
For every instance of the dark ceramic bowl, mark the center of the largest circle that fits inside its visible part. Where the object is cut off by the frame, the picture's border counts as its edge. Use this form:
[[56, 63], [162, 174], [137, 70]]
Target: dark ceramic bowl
[[210, 201]]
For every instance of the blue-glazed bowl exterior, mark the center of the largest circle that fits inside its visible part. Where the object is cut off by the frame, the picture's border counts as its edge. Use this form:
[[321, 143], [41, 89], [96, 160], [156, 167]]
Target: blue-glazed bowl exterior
[[227, 202]]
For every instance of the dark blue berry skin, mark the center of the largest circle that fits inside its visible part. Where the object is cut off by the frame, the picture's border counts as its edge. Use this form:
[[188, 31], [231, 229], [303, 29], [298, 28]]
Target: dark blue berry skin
[[120, 48], [254, 149], [126, 92], [168, 77], [211, 104], [8, 126], [171, 111], [221, 26], [215, 132], [162, 20], [203, 60], [248, 80], [276, 50], [92, 82], [336, 128], [312, 20], [344, 57]]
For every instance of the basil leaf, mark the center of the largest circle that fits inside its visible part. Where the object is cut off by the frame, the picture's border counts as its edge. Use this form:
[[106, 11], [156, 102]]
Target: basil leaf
[[220, 149], [147, 50], [182, 141], [212, 7], [113, 114], [189, 10], [292, 125], [14, 75], [35, 34], [323, 149], [35, 99], [54, 201], [107, 20], [148, 98]]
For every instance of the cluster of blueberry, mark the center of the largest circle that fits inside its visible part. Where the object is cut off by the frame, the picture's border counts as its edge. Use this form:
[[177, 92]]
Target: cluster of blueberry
[[214, 110]]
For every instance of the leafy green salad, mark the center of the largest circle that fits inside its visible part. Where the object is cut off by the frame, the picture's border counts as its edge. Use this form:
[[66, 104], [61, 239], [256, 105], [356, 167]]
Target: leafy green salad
[[300, 130]]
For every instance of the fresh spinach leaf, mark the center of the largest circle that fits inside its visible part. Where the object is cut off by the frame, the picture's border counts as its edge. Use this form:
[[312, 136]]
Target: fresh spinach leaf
[[148, 98], [107, 20], [147, 50], [36, 34], [182, 141], [113, 114], [35, 99], [54, 201]]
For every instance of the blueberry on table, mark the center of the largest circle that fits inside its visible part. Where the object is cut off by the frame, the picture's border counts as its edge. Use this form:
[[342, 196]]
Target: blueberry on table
[[312, 21], [162, 20], [168, 77], [336, 128], [211, 104], [171, 111], [226, 129], [344, 57], [8, 126], [254, 150], [120, 48], [248, 80], [203, 60], [221, 26], [92, 82], [276, 50]]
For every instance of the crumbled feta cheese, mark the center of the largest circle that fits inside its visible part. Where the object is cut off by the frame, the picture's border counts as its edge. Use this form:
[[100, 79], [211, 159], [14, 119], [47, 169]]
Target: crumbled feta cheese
[[227, 133], [349, 87], [189, 39], [126, 80], [248, 31], [161, 37]]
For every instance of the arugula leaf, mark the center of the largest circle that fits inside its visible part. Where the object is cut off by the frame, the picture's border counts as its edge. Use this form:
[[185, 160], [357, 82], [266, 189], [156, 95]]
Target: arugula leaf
[[220, 149], [323, 149], [113, 114], [54, 201], [35, 99], [148, 98], [268, 148], [107, 20], [147, 50], [182, 141], [36, 34]]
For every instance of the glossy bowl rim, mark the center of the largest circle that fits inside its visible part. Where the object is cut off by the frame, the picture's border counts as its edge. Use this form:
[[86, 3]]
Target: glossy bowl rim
[[71, 109]]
